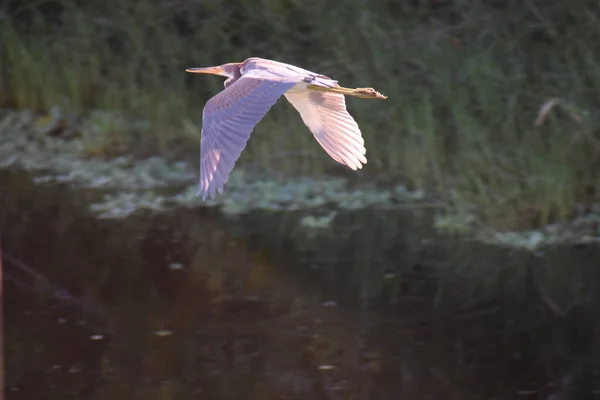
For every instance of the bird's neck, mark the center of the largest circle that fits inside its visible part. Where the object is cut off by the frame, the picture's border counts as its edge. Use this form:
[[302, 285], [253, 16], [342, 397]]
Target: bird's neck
[[230, 81], [234, 73]]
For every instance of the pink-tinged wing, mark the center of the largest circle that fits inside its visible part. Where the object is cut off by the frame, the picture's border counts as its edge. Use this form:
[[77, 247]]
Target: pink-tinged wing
[[227, 122], [334, 128]]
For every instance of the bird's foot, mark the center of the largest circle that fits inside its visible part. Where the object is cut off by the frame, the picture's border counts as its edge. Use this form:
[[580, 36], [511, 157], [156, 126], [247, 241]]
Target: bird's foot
[[365, 93], [368, 93]]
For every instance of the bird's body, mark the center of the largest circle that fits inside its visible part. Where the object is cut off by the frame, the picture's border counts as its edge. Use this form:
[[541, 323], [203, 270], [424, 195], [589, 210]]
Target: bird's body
[[252, 88]]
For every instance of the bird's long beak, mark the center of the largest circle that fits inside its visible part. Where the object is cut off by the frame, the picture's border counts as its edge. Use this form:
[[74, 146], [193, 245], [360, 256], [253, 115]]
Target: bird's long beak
[[208, 70]]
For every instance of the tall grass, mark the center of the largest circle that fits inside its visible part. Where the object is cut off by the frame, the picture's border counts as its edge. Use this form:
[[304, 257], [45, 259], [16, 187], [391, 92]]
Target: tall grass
[[465, 83]]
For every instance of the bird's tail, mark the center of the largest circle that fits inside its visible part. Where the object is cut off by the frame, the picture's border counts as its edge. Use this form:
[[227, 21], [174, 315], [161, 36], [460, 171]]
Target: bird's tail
[[321, 80]]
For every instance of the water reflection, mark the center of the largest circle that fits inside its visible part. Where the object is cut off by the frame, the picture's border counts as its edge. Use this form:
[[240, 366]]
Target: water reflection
[[188, 306]]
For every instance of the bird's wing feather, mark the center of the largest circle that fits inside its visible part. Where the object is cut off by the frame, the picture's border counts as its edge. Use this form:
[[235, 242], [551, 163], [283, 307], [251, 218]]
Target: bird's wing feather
[[334, 128], [228, 120]]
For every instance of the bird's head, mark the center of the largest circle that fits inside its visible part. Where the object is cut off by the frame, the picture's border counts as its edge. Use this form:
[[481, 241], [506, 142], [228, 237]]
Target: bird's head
[[230, 70]]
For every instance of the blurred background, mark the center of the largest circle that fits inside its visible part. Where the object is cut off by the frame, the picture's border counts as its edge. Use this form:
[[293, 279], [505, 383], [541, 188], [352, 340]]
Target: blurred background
[[460, 263]]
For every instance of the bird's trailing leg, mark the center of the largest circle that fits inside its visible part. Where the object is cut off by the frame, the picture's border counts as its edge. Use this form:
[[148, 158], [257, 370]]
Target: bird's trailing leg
[[365, 93]]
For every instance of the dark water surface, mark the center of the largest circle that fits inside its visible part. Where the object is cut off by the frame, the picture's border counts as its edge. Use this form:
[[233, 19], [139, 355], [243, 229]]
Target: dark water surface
[[190, 306]]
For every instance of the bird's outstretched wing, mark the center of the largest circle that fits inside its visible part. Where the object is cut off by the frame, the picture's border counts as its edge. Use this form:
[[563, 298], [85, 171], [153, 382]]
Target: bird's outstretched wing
[[334, 128], [227, 122]]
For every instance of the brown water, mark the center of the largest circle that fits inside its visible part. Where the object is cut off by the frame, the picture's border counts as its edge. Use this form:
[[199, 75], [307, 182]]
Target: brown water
[[189, 306]]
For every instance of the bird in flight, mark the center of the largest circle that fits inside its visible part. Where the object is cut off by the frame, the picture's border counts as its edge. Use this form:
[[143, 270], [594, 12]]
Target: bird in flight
[[252, 87]]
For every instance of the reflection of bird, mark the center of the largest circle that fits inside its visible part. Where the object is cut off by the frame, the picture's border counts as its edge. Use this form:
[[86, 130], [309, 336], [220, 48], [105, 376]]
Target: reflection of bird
[[252, 88]]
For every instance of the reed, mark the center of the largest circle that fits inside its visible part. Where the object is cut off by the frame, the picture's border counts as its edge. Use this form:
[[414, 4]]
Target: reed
[[466, 83]]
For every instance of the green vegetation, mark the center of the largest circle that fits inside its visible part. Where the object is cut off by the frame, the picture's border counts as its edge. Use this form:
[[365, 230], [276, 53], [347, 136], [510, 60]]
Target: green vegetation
[[466, 82]]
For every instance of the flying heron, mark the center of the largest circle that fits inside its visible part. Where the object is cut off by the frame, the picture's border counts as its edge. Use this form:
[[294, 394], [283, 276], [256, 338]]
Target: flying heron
[[251, 89]]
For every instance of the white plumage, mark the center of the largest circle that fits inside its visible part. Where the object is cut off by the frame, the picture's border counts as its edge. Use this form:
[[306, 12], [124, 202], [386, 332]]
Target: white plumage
[[251, 89]]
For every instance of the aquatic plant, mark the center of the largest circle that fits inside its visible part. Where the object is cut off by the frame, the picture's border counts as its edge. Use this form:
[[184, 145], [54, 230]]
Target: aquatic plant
[[466, 81]]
